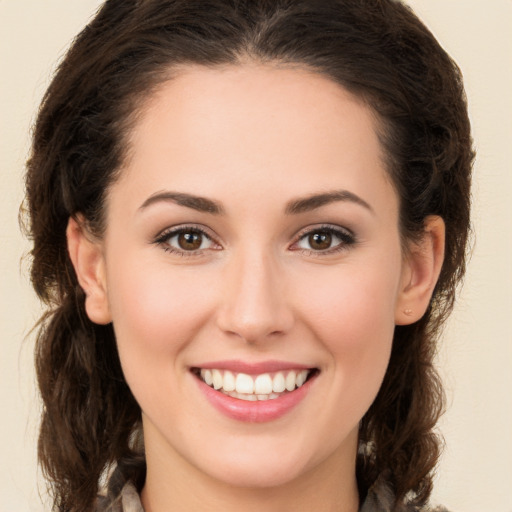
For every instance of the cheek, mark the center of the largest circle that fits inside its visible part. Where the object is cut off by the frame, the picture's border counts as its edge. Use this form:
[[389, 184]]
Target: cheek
[[155, 314], [150, 297], [352, 315], [348, 308]]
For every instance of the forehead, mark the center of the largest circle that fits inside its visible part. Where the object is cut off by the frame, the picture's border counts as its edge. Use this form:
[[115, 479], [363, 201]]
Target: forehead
[[257, 126]]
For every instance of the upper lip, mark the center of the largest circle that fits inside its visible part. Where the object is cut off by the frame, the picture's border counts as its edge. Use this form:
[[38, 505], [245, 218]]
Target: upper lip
[[252, 368]]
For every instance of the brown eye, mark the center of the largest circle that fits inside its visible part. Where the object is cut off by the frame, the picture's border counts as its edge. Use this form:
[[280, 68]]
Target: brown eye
[[186, 241], [320, 241], [325, 240], [190, 240]]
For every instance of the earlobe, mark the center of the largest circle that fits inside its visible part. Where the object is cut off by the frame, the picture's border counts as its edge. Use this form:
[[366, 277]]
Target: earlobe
[[86, 254], [422, 267]]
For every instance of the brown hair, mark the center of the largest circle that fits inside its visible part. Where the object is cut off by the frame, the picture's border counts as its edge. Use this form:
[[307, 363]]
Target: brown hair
[[377, 49]]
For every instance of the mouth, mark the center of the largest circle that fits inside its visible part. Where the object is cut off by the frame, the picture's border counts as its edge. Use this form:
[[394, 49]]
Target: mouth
[[254, 387]]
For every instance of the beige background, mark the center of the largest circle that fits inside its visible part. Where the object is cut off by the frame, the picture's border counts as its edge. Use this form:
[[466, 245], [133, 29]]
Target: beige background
[[476, 356]]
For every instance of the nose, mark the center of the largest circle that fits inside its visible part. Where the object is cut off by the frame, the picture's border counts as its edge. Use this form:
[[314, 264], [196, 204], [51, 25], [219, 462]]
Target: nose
[[253, 300]]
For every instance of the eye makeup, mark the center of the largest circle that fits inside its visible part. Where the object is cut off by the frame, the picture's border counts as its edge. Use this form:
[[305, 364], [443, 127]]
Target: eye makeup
[[186, 240], [194, 240], [323, 240]]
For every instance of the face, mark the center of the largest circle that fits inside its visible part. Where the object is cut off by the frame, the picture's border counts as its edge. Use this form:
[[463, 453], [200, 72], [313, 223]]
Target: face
[[252, 242]]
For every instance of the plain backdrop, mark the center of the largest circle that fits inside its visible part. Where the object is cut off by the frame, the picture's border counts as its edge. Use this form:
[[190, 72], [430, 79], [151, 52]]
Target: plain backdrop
[[475, 474]]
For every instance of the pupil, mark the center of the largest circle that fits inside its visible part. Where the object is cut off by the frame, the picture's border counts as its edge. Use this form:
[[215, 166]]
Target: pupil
[[321, 240], [190, 241]]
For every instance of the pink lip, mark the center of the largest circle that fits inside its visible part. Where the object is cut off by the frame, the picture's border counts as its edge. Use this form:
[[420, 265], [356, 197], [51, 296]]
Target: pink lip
[[253, 368], [255, 412]]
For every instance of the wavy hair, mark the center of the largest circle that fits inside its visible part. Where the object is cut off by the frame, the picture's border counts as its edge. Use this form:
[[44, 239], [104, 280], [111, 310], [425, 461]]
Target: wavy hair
[[378, 50]]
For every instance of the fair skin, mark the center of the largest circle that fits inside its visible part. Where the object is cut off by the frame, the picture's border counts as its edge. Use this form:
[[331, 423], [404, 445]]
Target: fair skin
[[268, 276]]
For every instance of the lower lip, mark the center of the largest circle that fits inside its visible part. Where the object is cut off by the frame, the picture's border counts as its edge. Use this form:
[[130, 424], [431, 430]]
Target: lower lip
[[258, 411]]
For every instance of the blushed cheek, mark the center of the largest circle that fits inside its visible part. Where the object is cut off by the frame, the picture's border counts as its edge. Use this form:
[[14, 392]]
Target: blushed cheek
[[155, 317], [156, 312], [360, 342], [352, 310]]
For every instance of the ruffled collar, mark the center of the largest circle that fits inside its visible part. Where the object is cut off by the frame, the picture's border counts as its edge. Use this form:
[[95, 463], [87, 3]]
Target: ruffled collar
[[379, 499]]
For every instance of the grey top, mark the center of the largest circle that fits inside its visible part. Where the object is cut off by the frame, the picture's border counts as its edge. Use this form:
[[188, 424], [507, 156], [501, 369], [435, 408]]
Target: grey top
[[379, 499]]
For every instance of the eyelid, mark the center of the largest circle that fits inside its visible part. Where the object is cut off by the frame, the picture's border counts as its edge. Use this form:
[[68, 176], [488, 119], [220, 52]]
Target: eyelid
[[347, 236], [163, 236]]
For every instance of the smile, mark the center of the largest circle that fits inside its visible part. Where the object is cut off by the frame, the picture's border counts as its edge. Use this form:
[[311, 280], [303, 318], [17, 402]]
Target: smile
[[265, 386], [254, 393]]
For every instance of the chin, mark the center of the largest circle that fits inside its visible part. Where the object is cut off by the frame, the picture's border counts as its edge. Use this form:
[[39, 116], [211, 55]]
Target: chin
[[258, 474], [264, 461]]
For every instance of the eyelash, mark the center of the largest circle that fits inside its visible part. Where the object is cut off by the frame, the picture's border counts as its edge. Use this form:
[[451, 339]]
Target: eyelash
[[164, 238], [346, 237]]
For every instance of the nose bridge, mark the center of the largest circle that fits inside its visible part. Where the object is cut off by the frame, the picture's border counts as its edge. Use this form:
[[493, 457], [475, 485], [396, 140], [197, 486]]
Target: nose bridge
[[254, 302]]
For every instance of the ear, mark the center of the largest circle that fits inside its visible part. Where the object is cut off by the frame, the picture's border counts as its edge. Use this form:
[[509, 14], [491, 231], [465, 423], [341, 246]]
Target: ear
[[422, 266], [86, 254]]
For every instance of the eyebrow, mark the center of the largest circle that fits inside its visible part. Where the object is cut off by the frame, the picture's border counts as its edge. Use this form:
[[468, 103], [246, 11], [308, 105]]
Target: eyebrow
[[201, 204], [294, 207], [315, 201]]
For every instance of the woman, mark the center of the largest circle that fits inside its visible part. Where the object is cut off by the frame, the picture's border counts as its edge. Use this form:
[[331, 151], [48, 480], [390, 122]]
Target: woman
[[249, 220]]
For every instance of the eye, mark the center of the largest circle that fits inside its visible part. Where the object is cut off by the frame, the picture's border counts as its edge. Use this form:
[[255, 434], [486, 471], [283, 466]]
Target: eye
[[185, 240], [325, 239]]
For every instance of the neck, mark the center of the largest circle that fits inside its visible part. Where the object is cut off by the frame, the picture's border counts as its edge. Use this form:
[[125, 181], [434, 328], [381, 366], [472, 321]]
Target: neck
[[202, 495], [174, 484]]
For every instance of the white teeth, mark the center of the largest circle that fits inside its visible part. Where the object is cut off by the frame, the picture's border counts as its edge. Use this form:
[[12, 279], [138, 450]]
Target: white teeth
[[263, 384], [207, 376], [278, 383], [260, 387], [229, 382], [217, 379], [301, 378], [243, 396], [244, 383], [290, 381]]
